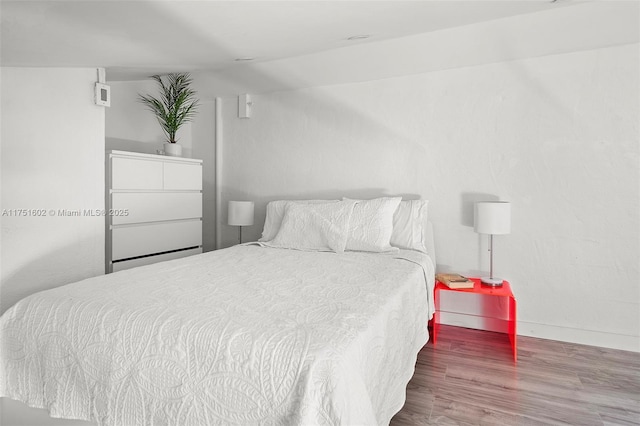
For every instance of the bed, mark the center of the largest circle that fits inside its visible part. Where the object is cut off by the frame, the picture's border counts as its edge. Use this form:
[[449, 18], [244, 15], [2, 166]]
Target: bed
[[258, 333]]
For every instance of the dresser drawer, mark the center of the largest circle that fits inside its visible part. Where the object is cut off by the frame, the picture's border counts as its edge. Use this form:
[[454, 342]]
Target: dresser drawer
[[138, 240], [179, 176], [154, 207], [135, 173]]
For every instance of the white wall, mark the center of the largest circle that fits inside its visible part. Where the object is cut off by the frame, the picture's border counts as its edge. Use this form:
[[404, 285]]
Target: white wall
[[52, 159], [555, 135], [131, 127]]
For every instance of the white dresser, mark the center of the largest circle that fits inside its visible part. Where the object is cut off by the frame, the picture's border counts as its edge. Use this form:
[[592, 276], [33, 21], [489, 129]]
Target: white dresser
[[154, 209]]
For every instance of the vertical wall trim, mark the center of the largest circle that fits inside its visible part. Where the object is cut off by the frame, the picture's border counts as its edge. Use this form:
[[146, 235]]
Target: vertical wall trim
[[218, 186]]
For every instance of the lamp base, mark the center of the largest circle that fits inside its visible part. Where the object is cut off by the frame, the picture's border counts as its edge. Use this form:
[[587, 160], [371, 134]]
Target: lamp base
[[492, 282]]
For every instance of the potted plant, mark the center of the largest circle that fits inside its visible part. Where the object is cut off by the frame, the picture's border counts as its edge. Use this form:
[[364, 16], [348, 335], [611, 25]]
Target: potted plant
[[176, 105]]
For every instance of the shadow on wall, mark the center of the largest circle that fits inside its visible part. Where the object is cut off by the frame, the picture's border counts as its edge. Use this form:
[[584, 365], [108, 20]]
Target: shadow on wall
[[467, 202], [141, 147], [129, 145], [29, 278]]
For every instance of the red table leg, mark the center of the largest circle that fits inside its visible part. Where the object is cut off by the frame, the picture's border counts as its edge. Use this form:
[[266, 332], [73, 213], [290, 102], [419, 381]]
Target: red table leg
[[436, 316], [513, 335]]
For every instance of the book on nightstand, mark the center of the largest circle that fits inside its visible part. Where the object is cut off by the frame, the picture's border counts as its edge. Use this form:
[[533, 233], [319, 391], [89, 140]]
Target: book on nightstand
[[454, 280]]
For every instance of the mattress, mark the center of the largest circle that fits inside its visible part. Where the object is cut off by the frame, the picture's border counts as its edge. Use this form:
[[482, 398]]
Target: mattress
[[244, 335]]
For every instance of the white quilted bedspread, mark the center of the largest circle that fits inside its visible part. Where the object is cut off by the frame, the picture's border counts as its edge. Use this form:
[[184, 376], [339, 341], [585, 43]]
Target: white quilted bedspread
[[245, 335]]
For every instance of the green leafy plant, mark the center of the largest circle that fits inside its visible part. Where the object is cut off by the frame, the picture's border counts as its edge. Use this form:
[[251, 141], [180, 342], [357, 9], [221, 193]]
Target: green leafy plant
[[176, 105]]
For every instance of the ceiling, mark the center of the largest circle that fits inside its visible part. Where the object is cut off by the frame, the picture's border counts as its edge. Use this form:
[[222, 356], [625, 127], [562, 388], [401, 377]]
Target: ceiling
[[134, 39]]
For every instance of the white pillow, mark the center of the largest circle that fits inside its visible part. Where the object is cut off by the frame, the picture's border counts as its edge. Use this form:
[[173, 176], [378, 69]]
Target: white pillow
[[275, 213], [315, 227], [409, 221], [372, 225]]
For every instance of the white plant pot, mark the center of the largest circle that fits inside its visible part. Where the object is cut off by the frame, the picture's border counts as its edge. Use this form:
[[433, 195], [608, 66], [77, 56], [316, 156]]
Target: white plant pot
[[173, 149]]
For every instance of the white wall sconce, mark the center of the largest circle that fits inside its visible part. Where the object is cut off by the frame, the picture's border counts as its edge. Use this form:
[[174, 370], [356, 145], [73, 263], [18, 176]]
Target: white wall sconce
[[244, 106]]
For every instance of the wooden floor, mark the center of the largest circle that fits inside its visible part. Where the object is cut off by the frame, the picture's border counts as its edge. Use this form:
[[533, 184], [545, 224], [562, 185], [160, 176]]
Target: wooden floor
[[469, 378]]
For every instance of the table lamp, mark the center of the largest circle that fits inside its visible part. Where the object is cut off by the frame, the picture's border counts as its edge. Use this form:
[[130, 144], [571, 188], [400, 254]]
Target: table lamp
[[493, 218], [240, 214]]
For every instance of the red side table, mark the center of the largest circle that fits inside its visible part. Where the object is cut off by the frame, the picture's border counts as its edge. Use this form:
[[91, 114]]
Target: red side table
[[478, 288]]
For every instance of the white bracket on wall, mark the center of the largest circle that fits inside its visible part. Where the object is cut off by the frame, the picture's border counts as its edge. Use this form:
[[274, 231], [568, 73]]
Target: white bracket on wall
[[244, 106]]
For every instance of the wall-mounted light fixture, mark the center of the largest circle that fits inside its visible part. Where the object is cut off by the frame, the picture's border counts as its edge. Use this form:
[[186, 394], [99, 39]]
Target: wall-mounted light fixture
[[244, 106]]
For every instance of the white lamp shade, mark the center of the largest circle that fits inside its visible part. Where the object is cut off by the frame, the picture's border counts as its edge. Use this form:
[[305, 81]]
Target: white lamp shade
[[492, 217], [240, 213]]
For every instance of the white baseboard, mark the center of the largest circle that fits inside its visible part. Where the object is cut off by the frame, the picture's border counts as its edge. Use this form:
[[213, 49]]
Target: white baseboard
[[544, 331], [583, 337]]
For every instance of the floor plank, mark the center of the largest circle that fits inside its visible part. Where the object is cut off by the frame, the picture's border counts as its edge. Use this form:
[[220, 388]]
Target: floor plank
[[469, 378]]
